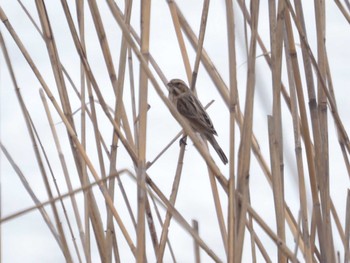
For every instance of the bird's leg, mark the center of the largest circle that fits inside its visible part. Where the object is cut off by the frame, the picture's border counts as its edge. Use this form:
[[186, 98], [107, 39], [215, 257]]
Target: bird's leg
[[183, 140]]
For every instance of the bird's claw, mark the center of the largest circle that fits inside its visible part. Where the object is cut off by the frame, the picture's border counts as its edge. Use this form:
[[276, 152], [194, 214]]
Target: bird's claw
[[183, 141]]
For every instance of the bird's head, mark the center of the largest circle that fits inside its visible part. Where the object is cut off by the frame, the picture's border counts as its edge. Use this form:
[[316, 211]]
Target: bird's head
[[177, 87]]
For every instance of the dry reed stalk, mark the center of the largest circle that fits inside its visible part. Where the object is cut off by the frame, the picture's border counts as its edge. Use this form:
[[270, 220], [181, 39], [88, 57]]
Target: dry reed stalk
[[84, 110], [246, 139], [290, 53], [231, 220], [197, 255], [172, 199], [177, 27], [276, 20], [322, 109], [253, 237], [200, 44], [142, 124]]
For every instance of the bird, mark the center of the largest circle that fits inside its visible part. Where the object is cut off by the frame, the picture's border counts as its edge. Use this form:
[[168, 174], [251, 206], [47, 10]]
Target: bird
[[190, 107]]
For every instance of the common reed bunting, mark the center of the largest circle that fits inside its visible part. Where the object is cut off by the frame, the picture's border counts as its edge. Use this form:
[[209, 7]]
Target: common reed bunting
[[190, 107]]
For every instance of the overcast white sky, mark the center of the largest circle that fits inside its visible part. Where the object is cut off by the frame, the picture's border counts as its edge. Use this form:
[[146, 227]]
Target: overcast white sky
[[28, 239]]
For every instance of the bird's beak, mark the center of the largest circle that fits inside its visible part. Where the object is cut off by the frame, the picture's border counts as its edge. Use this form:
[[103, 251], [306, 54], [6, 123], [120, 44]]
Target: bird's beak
[[170, 86]]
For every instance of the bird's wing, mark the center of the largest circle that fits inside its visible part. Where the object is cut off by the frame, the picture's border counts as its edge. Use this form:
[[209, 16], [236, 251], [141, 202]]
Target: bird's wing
[[190, 107]]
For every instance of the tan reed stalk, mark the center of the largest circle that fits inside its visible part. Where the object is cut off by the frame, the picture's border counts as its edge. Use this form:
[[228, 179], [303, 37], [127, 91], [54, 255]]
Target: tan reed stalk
[[274, 122], [249, 225], [320, 14], [290, 53], [132, 92], [151, 226], [200, 44], [231, 224], [246, 139], [142, 124], [175, 18], [83, 80], [277, 186], [172, 199], [197, 255]]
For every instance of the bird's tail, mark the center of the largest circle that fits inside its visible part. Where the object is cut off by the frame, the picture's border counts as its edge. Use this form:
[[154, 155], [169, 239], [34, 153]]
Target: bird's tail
[[217, 148]]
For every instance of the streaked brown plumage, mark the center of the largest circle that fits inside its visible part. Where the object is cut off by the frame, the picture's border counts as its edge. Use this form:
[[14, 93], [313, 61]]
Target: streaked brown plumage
[[189, 106]]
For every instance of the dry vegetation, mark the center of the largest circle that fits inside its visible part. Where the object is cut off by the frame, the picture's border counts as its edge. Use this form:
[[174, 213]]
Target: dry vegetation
[[89, 225]]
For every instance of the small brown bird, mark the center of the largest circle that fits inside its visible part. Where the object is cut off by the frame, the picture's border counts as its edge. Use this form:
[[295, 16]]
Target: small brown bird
[[189, 107]]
